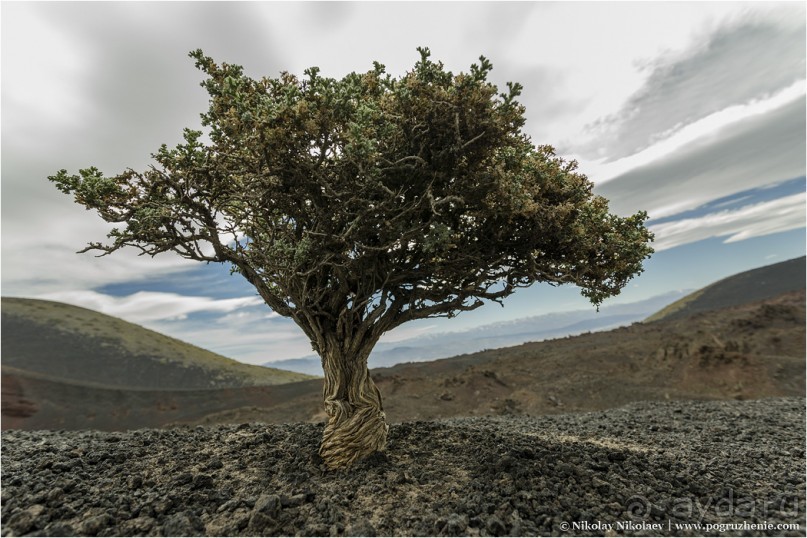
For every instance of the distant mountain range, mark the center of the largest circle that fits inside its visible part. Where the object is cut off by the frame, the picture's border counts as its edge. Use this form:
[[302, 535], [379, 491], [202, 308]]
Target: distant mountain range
[[743, 288], [84, 370], [496, 335]]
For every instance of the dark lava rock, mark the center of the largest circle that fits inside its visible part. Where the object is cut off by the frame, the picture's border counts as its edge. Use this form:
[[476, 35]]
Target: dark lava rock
[[695, 473]]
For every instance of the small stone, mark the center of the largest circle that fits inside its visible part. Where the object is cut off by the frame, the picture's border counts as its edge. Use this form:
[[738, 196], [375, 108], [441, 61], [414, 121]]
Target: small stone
[[182, 479], [162, 506], [262, 523], [23, 522], [601, 485], [294, 500], [95, 524], [55, 494], [268, 504], [496, 526], [64, 466], [506, 463], [617, 456], [455, 525], [240, 518], [360, 528], [202, 481], [215, 464], [229, 506], [181, 524], [139, 525], [318, 529], [59, 528]]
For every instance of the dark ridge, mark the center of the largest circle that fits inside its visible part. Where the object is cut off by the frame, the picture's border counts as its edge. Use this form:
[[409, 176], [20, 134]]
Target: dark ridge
[[742, 288], [46, 349], [78, 345]]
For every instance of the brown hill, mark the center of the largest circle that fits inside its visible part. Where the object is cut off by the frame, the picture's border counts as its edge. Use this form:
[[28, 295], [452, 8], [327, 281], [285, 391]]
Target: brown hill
[[34, 401], [746, 287], [66, 343], [751, 351]]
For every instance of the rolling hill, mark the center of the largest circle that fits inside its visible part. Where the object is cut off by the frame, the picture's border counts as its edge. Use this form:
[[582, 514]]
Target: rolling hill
[[742, 288], [749, 351], [65, 343]]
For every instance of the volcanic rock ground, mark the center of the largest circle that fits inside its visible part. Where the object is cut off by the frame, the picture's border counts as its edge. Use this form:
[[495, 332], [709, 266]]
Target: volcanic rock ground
[[642, 469]]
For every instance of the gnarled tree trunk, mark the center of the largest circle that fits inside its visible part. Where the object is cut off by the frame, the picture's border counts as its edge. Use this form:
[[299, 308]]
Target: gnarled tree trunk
[[356, 422]]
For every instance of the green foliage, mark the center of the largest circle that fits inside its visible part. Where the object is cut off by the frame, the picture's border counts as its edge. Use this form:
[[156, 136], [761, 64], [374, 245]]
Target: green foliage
[[357, 204]]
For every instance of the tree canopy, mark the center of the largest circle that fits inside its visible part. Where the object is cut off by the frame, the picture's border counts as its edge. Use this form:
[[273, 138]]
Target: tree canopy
[[354, 205]]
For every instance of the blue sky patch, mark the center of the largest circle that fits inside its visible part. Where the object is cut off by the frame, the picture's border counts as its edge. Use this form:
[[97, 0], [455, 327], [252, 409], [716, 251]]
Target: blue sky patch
[[740, 199]]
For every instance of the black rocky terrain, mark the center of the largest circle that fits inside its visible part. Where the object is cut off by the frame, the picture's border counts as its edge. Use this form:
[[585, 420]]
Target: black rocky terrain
[[669, 468]]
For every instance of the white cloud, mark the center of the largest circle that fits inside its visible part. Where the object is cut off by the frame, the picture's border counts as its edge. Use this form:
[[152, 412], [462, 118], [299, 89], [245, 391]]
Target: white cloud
[[252, 334], [242, 316], [42, 79], [696, 78], [703, 130], [100, 94], [148, 306], [755, 151], [40, 258], [787, 213], [604, 51], [254, 342]]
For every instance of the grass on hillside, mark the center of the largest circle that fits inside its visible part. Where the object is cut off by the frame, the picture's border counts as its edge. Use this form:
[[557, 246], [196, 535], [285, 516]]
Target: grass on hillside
[[139, 340], [677, 306]]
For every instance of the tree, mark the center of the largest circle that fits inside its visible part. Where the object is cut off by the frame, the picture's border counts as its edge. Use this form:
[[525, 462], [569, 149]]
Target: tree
[[356, 205]]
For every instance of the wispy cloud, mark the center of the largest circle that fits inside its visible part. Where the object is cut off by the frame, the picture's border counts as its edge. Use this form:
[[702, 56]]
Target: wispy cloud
[[711, 75], [40, 263], [754, 220], [250, 336], [148, 306], [755, 151], [700, 131]]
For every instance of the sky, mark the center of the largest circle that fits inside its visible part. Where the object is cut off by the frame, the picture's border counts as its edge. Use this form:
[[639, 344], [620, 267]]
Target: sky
[[693, 112]]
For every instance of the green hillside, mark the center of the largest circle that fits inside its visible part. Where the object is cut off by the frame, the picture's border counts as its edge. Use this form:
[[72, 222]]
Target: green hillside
[[73, 343], [743, 288]]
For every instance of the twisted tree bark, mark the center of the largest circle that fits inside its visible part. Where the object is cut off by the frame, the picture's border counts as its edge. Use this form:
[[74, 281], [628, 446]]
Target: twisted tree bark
[[357, 425]]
